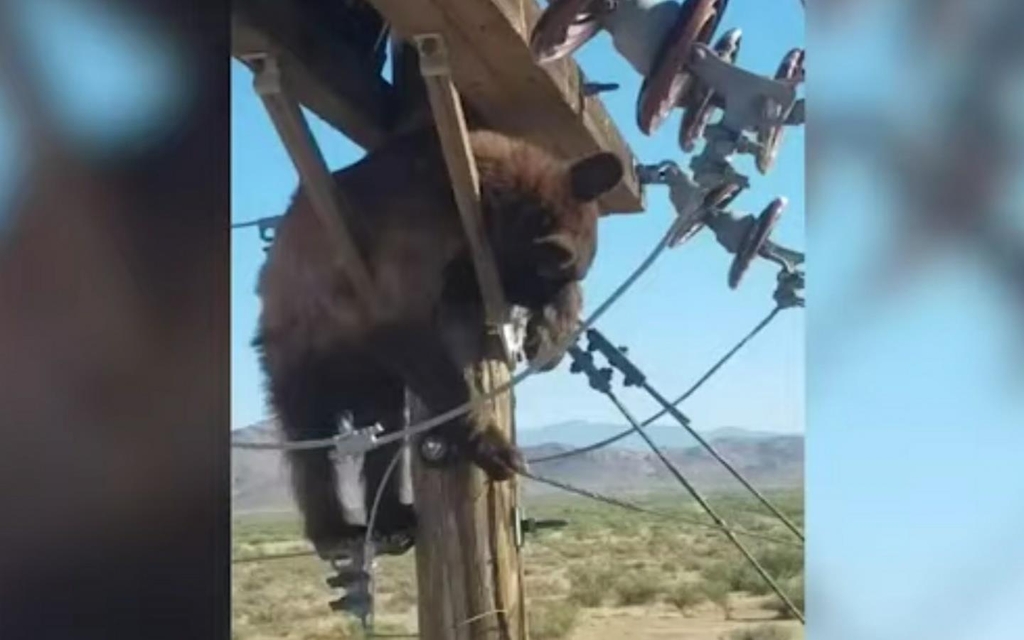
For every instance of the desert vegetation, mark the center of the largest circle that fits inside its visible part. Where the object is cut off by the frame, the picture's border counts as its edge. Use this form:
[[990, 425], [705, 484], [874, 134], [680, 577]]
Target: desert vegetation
[[609, 574]]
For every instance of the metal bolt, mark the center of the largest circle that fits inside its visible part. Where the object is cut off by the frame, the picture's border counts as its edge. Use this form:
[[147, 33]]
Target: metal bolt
[[433, 449], [531, 525], [428, 46]]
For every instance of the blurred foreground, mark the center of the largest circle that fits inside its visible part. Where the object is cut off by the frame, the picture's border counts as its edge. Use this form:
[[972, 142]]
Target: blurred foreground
[[916, 319], [113, 319]]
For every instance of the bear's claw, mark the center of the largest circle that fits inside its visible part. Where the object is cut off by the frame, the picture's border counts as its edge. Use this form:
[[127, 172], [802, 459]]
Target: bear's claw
[[496, 456]]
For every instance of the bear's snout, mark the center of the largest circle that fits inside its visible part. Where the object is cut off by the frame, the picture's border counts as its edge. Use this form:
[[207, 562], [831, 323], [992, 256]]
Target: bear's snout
[[556, 257]]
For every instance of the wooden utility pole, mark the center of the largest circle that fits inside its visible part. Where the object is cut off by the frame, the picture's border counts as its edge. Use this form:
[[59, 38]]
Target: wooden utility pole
[[467, 558], [468, 565]]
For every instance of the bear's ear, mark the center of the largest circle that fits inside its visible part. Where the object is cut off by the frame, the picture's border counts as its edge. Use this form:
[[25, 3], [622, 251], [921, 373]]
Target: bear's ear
[[594, 175], [555, 255]]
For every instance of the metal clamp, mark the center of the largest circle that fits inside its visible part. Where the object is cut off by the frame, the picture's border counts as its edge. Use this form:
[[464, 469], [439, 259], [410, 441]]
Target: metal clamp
[[697, 113], [532, 525], [687, 197], [357, 441], [787, 293], [616, 357], [583, 362], [524, 525], [788, 259], [742, 93], [267, 227]]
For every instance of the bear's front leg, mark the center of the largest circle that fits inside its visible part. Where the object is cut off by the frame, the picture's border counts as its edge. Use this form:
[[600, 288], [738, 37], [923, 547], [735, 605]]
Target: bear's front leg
[[439, 368]]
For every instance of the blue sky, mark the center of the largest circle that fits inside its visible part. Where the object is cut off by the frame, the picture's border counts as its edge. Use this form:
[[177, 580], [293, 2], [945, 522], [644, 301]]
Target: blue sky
[[677, 320]]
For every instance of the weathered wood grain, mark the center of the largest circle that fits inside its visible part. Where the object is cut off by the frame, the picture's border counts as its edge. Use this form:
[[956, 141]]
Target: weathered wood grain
[[494, 71]]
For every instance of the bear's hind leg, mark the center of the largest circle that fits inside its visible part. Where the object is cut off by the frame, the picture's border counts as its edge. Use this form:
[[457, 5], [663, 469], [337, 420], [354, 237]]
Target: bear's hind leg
[[309, 403]]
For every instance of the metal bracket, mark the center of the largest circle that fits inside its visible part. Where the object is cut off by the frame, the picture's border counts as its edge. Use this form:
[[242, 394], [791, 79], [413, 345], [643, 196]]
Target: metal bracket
[[328, 204], [524, 525], [458, 154], [532, 525], [583, 362], [267, 227], [686, 195], [616, 357], [594, 88], [743, 93], [357, 442], [788, 259], [787, 293]]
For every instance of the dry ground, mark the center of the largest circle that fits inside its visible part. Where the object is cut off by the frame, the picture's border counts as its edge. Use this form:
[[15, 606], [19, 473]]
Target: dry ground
[[609, 575]]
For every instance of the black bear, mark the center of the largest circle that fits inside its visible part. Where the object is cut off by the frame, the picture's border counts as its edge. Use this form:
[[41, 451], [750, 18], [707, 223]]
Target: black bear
[[325, 356]]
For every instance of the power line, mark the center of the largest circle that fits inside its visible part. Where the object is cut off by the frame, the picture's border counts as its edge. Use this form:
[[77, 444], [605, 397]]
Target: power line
[[368, 541], [274, 556], [633, 376], [653, 512], [725, 463], [600, 380], [719, 525], [718, 365], [697, 385]]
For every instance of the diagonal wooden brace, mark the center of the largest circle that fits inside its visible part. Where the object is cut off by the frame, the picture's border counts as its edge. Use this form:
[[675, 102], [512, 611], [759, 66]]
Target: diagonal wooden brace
[[451, 128], [328, 203]]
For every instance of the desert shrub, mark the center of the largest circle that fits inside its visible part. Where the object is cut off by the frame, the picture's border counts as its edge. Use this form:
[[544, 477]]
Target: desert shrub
[[738, 575], [575, 552], [686, 595], [718, 593], [782, 562], [541, 587], [587, 586], [693, 562], [760, 632], [552, 620], [638, 587], [794, 589], [746, 578]]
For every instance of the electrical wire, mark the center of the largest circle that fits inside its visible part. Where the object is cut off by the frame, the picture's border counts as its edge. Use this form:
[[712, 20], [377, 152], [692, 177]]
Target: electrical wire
[[697, 385], [460, 410]]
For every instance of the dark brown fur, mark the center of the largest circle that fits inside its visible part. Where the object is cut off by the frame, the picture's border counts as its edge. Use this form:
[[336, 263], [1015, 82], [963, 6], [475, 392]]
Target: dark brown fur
[[325, 356]]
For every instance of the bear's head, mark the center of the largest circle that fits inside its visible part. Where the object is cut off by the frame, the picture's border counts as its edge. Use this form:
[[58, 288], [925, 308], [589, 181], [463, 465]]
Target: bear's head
[[541, 214]]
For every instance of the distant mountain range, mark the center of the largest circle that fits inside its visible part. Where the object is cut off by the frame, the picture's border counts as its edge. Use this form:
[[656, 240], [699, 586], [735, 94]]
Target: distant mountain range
[[578, 433], [768, 460]]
